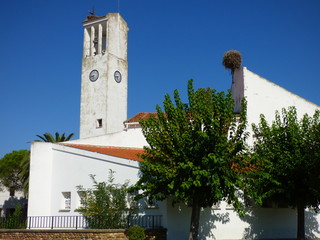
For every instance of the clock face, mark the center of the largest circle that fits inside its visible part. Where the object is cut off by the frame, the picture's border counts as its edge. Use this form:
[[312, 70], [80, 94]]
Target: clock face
[[117, 76], [94, 75]]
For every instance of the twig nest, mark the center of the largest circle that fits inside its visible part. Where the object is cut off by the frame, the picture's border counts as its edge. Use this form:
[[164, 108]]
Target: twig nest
[[232, 60]]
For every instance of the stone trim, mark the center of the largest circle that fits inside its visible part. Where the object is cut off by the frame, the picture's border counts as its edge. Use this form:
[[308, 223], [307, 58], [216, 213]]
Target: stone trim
[[71, 234]]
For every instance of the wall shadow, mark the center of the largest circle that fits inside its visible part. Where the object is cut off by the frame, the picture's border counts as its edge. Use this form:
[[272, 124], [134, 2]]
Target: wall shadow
[[208, 220], [10, 204], [278, 223], [312, 227]]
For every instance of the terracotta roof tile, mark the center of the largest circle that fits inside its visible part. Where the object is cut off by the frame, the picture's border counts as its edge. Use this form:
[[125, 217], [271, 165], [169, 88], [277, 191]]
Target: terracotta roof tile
[[122, 152], [140, 116]]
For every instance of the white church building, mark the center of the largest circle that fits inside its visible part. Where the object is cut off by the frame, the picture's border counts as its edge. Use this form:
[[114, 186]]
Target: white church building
[[109, 140]]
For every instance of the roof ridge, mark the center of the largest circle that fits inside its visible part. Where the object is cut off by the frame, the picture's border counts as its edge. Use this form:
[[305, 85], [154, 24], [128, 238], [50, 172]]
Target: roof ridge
[[121, 152], [98, 146]]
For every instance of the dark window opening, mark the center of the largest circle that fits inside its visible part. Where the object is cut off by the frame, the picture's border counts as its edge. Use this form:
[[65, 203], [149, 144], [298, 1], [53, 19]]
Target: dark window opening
[[12, 190], [99, 123]]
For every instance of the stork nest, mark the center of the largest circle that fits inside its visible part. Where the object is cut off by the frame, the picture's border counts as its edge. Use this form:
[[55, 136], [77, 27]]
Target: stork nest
[[232, 60]]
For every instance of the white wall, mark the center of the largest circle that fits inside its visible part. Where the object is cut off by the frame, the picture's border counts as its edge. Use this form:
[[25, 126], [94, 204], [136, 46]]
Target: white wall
[[132, 137], [266, 97], [40, 179], [7, 201], [224, 223], [56, 169]]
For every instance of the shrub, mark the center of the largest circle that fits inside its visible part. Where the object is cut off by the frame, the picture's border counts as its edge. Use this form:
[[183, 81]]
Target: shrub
[[106, 205], [15, 221], [135, 233]]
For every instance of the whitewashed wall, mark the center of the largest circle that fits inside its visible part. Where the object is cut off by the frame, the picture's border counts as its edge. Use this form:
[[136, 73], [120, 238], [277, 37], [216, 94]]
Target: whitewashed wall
[[7, 201], [266, 97], [132, 137], [56, 169]]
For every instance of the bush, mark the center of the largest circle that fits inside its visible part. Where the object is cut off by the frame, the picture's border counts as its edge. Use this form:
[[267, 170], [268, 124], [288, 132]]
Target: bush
[[15, 221], [135, 233], [107, 205]]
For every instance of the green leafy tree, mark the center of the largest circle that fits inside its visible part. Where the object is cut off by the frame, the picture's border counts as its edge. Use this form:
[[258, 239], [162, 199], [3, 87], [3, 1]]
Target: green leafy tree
[[107, 205], [47, 137], [10, 169], [288, 152], [193, 150]]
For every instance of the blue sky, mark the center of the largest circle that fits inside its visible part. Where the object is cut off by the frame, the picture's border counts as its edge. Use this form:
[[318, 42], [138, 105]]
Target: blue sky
[[170, 41]]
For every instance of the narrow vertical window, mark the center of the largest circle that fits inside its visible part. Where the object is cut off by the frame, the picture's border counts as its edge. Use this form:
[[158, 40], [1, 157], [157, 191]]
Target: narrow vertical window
[[81, 197], [104, 38], [66, 200], [12, 191], [99, 123]]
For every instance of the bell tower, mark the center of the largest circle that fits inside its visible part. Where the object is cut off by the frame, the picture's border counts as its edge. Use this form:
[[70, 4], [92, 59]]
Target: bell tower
[[104, 78]]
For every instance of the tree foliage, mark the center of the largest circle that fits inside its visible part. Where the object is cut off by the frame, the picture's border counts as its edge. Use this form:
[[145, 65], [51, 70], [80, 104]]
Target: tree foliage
[[192, 151], [24, 173], [288, 152], [10, 169], [16, 221], [106, 205], [47, 137]]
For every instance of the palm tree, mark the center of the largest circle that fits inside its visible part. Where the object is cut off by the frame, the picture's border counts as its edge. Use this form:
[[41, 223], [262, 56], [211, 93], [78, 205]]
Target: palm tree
[[47, 137], [24, 172]]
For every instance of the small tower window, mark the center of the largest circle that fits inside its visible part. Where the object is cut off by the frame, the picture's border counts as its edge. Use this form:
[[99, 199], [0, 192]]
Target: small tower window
[[99, 123], [104, 38]]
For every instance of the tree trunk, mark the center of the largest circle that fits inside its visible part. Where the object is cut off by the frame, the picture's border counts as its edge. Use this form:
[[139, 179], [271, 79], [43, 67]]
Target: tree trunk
[[195, 217], [300, 226]]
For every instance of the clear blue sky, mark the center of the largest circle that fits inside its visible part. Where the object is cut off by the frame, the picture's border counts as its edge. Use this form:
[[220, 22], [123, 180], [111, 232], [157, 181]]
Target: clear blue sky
[[170, 41]]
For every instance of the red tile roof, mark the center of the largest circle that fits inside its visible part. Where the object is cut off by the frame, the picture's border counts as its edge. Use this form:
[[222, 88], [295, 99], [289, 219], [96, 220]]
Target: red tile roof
[[122, 152], [140, 116]]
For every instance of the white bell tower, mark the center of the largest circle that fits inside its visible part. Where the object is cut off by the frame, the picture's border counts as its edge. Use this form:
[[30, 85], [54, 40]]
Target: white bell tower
[[104, 79]]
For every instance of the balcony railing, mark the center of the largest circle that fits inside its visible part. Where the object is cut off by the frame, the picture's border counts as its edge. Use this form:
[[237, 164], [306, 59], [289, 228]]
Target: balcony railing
[[81, 222]]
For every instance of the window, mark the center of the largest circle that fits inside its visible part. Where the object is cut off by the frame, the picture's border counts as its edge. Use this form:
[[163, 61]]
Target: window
[[12, 191], [229, 206], [81, 197], [99, 123], [216, 206], [131, 202], [95, 40], [152, 203], [66, 200]]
